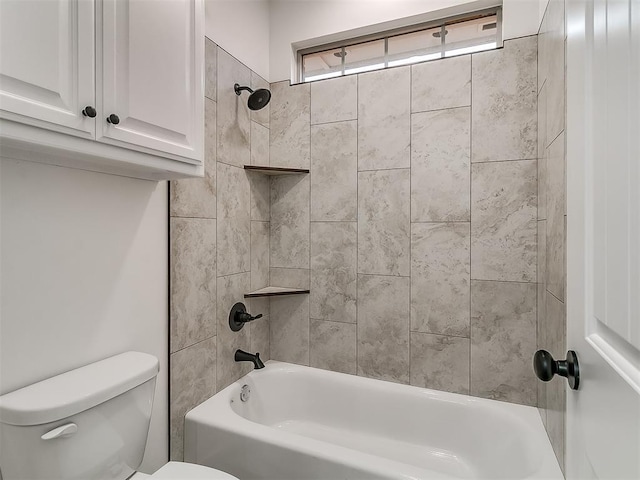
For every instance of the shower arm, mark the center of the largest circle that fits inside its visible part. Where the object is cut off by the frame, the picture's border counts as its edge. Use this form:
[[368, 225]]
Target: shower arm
[[237, 88]]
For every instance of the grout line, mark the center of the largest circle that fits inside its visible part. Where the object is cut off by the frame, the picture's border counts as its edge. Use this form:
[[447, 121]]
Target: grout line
[[383, 169], [506, 161], [440, 334], [502, 281], [382, 275], [440, 109], [317, 124], [470, 211], [357, 211], [192, 344]]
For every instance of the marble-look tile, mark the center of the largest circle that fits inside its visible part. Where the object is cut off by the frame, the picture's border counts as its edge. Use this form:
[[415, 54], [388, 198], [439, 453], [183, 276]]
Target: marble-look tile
[[261, 116], [259, 255], [259, 144], [555, 82], [440, 362], [234, 220], [383, 222], [334, 100], [555, 327], [334, 172], [333, 271], [290, 125], [503, 221], [542, 154], [259, 333], [193, 280], [504, 100], [541, 324], [440, 278], [383, 328], [231, 289], [543, 47], [556, 233], [289, 336], [332, 346], [503, 341], [289, 277], [192, 376], [441, 84], [260, 187], [440, 166], [290, 221], [196, 197], [384, 119], [234, 124], [210, 69]]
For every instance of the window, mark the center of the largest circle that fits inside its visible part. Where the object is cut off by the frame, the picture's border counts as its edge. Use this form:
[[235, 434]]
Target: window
[[418, 43]]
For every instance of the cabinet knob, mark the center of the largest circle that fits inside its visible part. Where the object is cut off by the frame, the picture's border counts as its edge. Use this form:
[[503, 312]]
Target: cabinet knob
[[113, 119], [89, 111]]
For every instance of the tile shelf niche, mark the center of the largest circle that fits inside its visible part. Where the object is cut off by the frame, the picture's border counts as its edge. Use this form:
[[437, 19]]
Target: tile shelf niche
[[276, 291], [276, 170]]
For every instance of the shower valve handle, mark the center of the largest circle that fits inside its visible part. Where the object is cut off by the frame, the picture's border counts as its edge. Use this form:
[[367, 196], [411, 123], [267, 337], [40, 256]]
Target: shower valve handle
[[238, 316]]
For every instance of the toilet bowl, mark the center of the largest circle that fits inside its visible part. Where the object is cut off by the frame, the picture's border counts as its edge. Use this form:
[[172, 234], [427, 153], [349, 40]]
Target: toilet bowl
[[90, 423]]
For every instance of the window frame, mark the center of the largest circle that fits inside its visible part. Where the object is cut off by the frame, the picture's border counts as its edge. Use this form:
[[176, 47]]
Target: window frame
[[441, 23]]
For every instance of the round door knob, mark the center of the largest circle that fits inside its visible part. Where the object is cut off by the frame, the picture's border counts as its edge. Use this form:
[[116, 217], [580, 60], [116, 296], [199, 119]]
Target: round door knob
[[546, 367], [89, 111], [113, 119]]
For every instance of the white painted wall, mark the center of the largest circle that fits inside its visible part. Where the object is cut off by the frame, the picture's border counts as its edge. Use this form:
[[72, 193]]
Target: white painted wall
[[241, 27], [83, 276], [296, 21]]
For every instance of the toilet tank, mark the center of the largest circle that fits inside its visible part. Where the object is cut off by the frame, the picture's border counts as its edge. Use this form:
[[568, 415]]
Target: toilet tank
[[89, 423]]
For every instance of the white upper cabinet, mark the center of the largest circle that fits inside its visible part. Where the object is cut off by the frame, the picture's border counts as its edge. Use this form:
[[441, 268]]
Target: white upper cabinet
[[134, 67], [47, 68], [151, 76]]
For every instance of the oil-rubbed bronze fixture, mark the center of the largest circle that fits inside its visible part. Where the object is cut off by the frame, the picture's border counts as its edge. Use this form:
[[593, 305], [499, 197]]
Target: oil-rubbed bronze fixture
[[258, 98], [546, 367], [238, 316]]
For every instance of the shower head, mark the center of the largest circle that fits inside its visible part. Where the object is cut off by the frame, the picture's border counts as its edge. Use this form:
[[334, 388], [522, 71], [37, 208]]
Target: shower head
[[258, 98]]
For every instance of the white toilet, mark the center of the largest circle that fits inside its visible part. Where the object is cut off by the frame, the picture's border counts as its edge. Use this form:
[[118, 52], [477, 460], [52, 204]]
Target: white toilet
[[89, 423]]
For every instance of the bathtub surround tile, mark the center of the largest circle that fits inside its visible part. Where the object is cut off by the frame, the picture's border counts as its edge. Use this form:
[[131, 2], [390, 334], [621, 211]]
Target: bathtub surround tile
[[383, 328], [542, 154], [289, 277], [440, 362], [196, 197], [383, 222], [332, 346], [555, 401], [555, 80], [260, 116], [442, 84], [260, 188], [504, 113], [440, 278], [234, 220], [503, 341], [192, 376], [289, 335], [259, 255], [334, 171], [503, 221], [334, 100], [290, 221], [440, 166], [259, 333], [384, 119], [556, 206], [290, 125], [231, 289], [333, 271], [193, 281], [259, 144], [234, 124], [210, 69]]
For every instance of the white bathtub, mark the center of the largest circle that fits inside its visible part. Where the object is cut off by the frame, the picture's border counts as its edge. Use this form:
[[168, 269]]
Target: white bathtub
[[304, 423]]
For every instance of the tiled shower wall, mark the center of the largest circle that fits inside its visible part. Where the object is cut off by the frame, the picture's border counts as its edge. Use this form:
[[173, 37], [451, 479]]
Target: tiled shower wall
[[552, 219], [219, 229], [416, 228]]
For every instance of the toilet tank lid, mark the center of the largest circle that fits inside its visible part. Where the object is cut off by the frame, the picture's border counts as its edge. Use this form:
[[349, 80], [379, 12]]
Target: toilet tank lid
[[77, 390]]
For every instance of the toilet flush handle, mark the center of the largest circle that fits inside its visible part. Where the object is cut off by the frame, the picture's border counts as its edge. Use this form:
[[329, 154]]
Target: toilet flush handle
[[63, 431]]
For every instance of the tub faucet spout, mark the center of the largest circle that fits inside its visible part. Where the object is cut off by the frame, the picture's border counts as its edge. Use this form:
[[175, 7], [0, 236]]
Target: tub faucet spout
[[242, 356]]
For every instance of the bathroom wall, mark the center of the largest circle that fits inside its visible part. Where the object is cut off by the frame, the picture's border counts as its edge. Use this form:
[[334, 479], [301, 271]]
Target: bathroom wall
[[416, 228], [552, 216], [219, 244], [83, 277]]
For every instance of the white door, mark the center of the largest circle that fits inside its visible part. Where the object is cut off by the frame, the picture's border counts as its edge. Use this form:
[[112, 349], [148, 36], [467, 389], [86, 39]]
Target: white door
[[47, 68], [603, 237], [150, 69]]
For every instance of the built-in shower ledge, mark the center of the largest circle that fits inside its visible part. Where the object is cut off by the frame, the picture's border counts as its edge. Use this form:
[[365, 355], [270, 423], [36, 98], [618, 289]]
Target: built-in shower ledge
[[276, 170], [275, 292]]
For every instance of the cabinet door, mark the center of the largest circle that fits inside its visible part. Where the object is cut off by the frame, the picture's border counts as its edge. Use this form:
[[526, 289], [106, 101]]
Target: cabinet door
[[47, 63], [151, 72]]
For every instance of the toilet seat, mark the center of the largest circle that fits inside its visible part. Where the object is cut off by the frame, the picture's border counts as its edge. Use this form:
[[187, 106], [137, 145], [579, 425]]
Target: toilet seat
[[186, 471]]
